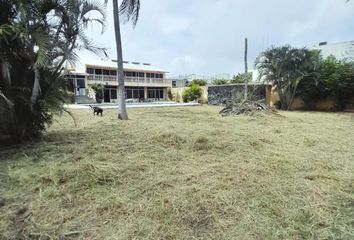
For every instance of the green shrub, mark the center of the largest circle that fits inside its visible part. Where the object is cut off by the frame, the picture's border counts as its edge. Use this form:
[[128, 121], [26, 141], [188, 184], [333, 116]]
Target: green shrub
[[98, 88], [169, 93], [239, 78], [199, 82], [220, 82], [334, 79], [192, 93]]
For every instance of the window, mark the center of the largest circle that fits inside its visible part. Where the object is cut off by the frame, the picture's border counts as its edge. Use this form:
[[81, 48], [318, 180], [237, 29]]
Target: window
[[129, 93], [113, 72], [156, 93], [89, 70], [113, 93], [98, 71], [134, 92], [148, 75], [80, 83], [105, 72], [141, 74]]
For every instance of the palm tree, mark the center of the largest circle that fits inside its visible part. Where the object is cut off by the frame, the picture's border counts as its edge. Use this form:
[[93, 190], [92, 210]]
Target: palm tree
[[285, 67], [36, 39], [129, 10]]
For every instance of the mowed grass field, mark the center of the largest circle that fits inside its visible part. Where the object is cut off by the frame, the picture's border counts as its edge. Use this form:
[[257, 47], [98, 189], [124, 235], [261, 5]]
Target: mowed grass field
[[182, 173]]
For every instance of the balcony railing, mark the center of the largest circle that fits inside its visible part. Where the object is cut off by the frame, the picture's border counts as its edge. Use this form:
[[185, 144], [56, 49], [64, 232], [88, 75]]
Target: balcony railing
[[129, 81]]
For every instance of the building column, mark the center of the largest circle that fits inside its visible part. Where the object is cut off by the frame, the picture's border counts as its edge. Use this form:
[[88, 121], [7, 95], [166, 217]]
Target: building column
[[165, 94], [145, 92]]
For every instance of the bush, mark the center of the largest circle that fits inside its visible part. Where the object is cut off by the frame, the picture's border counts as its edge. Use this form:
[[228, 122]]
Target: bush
[[239, 78], [334, 80], [199, 82], [98, 88], [192, 93], [220, 82]]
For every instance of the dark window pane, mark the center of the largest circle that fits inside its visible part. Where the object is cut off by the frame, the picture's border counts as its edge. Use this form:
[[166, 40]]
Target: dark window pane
[[89, 70], [141, 74], [148, 75], [98, 71], [135, 93], [113, 94], [129, 94], [141, 93], [113, 72], [80, 83], [161, 93], [150, 94], [105, 72]]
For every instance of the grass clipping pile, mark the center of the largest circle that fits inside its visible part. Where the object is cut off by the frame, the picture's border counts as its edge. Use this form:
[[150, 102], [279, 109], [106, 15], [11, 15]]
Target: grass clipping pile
[[247, 107]]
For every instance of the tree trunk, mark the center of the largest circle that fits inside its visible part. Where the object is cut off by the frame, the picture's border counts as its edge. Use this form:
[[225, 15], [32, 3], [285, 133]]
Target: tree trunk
[[36, 90], [246, 70], [122, 111]]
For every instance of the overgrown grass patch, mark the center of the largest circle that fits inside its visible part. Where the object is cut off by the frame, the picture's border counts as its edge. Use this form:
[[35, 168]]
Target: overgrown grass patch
[[182, 173]]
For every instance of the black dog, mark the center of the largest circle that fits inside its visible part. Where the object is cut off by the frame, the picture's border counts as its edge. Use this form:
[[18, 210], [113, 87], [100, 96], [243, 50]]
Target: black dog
[[97, 110]]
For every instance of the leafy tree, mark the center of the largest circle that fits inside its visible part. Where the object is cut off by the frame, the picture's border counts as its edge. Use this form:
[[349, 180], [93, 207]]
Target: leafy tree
[[199, 82], [98, 88], [240, 78], [36, 39], [192, 93], [285, 67], [129, 10], [335, 79], [220, 82]]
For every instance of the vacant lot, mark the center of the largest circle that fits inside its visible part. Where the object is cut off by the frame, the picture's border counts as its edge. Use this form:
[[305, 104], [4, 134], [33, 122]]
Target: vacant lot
[[182, 173]]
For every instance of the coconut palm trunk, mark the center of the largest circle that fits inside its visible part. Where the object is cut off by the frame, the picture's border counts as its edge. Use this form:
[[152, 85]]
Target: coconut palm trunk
[[122, 112]]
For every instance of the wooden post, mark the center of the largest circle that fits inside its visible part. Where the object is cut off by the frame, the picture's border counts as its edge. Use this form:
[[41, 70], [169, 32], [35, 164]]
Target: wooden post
[[246, 70]]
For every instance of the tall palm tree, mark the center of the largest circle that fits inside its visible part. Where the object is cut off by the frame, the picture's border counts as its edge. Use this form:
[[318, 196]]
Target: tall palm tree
[[36, 39], [129, 10]]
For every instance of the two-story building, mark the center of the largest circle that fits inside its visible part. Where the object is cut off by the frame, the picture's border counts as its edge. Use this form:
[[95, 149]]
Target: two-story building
[[143, 82]]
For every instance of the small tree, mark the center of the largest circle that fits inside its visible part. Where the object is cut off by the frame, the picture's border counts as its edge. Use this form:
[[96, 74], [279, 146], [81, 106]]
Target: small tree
[[98, 88], [240, 78], [200, 82], [192, 93], [285, 67], [334, 80]]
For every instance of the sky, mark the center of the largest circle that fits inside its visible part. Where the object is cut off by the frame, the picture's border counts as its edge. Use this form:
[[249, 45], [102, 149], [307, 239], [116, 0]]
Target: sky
[[206, 37]]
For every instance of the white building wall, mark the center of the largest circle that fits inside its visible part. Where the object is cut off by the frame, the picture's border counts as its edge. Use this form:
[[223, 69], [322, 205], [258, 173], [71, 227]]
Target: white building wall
[[342, 51]]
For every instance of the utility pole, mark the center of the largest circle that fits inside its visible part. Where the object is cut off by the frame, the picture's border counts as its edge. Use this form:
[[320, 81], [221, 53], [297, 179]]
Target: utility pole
[[246, 70]]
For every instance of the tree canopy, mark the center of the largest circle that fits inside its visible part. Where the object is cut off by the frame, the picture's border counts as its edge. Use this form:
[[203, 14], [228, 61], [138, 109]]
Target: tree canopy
[[285, 67], [37, 39]]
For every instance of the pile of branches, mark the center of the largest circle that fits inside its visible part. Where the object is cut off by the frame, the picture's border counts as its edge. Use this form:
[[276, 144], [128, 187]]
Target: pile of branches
[[247, 107]]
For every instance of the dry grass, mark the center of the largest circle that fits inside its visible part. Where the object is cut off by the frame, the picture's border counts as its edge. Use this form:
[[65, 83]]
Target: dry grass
[[182, 173]]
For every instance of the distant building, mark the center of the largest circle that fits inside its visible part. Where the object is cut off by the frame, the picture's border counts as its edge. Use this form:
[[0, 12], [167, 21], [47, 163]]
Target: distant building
[[342, 50], [143, 82]]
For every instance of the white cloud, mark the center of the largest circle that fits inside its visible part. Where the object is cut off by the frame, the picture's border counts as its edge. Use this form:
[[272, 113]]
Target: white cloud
[[207, 36]]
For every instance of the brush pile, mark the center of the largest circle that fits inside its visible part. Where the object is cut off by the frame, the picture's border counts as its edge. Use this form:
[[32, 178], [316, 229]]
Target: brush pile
[[247, 107]]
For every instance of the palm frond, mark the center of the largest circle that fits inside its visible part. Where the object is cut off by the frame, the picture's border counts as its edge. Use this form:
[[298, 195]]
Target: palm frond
[[129, 10], [43, 43]]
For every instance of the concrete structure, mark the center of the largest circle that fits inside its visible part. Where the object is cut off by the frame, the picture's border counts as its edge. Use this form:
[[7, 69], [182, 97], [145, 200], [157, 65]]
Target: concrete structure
[[342, 50], [143, 82]]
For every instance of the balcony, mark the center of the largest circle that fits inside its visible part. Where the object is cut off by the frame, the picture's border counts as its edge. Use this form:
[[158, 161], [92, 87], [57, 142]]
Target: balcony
[[129, 81]]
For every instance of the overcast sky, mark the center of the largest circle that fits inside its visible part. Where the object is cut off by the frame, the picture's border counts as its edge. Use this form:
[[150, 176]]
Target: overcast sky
[[207, 36]]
